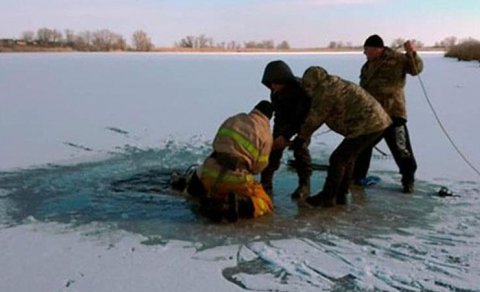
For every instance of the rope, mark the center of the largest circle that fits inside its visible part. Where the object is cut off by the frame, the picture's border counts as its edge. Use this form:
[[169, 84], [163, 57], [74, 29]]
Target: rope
[[441, 124], [380, 151]]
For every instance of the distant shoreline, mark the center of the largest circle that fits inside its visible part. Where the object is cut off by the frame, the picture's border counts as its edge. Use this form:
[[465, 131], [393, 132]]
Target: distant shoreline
[[209, 51]]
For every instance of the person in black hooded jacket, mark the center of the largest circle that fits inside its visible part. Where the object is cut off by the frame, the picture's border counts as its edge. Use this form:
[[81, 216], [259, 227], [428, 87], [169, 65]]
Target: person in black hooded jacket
[[291, 105]]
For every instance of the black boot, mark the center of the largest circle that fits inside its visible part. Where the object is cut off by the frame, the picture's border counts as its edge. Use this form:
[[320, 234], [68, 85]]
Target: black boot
[[178, 182], [246, 209], [303, 166], [320, 199], [341, 199], [302, 191], [212, 209], [408, 185]]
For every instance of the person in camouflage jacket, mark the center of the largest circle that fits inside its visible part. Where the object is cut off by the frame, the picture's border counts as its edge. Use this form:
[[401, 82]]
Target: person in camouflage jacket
[[384, 77], [348, 110]]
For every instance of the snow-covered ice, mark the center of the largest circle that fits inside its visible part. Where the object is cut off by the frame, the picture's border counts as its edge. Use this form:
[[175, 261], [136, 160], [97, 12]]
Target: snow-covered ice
[[87, 142]]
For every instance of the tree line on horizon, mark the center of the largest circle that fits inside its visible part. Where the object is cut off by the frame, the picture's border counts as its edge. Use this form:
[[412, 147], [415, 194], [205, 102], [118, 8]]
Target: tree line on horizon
[[100, 40], [106, 40]]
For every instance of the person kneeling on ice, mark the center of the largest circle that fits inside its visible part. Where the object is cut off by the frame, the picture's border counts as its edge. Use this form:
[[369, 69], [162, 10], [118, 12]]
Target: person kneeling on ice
[[349, 110], [224, 183]]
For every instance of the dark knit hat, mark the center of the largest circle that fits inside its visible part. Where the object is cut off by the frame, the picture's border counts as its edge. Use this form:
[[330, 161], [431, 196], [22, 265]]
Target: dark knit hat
[[265, 107], [374, 41]]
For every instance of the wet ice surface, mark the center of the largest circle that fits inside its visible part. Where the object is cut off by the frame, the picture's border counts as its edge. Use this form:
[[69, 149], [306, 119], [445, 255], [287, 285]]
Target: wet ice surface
[[382, 240]]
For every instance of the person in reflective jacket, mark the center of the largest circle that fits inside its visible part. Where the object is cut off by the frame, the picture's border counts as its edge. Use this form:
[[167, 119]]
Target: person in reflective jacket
[[224, 183]]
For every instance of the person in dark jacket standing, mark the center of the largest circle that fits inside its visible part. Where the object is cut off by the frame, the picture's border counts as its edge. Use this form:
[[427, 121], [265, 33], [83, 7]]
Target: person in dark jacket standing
[[291, 105], [384, 77]]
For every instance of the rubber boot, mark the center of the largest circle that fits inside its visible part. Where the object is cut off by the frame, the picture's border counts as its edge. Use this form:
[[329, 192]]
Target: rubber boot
[[246, 209], [341, 199], [178, 182], [212, 209], [320, 199], [408, 185], [327, 197], [302, 191]]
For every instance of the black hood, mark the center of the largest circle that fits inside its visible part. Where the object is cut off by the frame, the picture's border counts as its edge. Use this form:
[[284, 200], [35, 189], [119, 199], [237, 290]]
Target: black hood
[[278, 72]]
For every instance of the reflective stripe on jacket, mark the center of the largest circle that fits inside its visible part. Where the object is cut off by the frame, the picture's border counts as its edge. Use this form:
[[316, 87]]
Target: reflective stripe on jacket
[[246, 137], [220, 182], [249, 147]]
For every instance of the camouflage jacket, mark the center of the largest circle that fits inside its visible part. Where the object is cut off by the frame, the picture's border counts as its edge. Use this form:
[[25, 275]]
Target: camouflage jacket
[[291, 105], [385, 79], [345, 107]]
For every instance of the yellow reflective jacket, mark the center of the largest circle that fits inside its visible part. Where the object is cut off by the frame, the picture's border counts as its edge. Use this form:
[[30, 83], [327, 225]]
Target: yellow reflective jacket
[[246, 137]]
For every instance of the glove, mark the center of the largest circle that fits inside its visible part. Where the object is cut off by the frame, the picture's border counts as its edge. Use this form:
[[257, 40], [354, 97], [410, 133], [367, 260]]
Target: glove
[[297, 143], [279, 143]]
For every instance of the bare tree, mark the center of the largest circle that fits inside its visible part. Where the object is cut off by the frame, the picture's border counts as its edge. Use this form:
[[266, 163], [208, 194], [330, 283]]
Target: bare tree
[[416, 43], [397, 43], [233, 45], [141, 41], [83, 41], [332, 44], [57, 36], [284, 45], [447, 43], [28, 36], [105, 40], [69, 37], [195, 42], [187, 42], [48, 36], [44, 35], [251, 45], [336, 45], [268, 44], [202, 41], [265, 44]]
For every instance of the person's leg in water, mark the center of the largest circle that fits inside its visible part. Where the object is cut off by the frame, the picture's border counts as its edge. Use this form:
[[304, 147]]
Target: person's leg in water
[[193, 186], [340, 170], [303, 167], [362, 164], [250, 202], [267, 174]]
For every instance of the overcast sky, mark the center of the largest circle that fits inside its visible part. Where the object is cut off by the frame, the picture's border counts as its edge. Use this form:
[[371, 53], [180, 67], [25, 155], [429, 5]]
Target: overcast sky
[[303, 23]]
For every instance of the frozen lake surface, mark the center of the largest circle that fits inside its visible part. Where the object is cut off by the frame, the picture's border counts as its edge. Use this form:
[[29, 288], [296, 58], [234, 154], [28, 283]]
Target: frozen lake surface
[[87, 143]]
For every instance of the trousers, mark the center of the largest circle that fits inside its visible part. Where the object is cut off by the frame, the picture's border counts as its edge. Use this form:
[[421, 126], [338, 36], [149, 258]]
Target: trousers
[[398, 141]]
